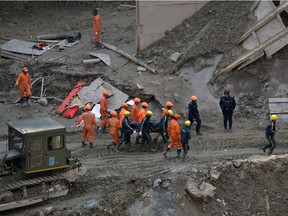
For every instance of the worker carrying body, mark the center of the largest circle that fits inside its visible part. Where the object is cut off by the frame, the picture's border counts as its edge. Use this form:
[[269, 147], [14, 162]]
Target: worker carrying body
[[124, 108], [193, 114], [89, 120], [174, 132], [104, 110], [126, 131], [113, 124], [135, 110], [142, 111], [227, 104], [270, 132], [185, 137], [168, 106], [24, 82], [97, 28], [145, 129]]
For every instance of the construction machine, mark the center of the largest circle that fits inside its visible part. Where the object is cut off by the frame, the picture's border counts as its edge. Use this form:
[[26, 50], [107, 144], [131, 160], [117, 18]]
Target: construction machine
[[36, 164]]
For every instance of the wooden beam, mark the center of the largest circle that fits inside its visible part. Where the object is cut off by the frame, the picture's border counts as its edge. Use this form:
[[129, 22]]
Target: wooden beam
[[279, 111], [132, 58], [278, 100], [90, 61], [263, 21], [255, 4], [250, 53]]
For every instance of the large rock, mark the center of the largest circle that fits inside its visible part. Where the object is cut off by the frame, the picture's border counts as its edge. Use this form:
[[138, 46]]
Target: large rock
[[203, 192]]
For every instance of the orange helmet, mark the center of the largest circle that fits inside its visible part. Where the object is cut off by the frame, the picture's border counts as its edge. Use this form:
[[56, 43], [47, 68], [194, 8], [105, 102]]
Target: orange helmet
[[144, 104], [124, 105], [169, 104], [25, 69], [177, 116], [194, 98], [113, 113], [88, 107], [105, 92], [137, 100]]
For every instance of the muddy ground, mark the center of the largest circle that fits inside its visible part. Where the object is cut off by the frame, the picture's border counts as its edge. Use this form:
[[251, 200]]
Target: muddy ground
[[122, 183]]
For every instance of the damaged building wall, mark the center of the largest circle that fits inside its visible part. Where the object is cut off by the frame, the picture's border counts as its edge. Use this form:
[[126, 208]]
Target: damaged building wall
[[154, 18]]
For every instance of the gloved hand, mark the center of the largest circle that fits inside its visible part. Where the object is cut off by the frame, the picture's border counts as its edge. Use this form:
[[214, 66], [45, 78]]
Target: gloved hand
[[164, 134], [96, 33], [140, 133]]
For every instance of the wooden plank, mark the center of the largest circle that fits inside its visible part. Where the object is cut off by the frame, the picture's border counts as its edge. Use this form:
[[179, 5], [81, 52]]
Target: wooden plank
[[132, 58], [250, 53], [263, 21], [255, 4], [278, 100], [278, 111], [90, 61]]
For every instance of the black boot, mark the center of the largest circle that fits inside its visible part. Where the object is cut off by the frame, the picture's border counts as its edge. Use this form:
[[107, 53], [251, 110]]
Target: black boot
[[84, 144], [91, 145], [178, 154], [110, 145], [165, 152]]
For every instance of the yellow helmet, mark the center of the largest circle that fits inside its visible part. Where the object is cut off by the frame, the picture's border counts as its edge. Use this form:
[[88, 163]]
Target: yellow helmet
[[170, 113], [187, 123], [126, 113], [149, 113], [273, 117]]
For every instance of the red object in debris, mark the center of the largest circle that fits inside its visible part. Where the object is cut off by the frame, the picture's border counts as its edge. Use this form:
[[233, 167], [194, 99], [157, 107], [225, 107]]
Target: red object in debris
[[71, 112], [70, 97]]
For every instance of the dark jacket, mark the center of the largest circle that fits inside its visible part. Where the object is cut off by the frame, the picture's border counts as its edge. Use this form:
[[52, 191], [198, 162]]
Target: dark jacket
[[185, 134], [227, 103], [163, 124], [146, 125], [126, 128], [193, 112], [270, 129]]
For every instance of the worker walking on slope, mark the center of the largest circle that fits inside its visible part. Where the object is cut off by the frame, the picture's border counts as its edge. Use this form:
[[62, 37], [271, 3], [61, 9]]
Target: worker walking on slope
[[124, 108], [97, 28], [270, 132], [185, 137], [113, 124], [168, 106], [145, 130], [227, 104], [193, 114], [135, 110], [142, 111], [24, 82], [89, 120], [174, 132], [104, 110], [126, 131]]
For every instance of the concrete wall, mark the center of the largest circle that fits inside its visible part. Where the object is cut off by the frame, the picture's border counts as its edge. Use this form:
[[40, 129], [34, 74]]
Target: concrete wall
[[156, 17]]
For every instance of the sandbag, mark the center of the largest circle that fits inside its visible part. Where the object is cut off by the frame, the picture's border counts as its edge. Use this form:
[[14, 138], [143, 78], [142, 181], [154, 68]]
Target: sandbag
[[71, 112]]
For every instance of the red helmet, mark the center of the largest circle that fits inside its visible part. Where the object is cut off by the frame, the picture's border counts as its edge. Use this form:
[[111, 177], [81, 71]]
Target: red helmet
[[144, 104], [25, 69], [105, 92], [177, 116], [137, 100], [169, 104], [124, 105], [194, 98], [113, 113]]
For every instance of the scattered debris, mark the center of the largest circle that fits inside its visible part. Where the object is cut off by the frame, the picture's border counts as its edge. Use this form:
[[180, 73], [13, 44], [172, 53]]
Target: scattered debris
[[91, 204], [205, 190], [103, 57], [58, 36], [141, 69], [90, 61], [140, 86], [157, 183], [175, 56]]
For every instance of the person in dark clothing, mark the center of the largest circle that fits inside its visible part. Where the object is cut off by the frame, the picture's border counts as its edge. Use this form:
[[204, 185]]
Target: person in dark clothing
[[227, 104], [270, 132], [163, 127], [193, 114], [126, 131], [145, 130], [185, 136]]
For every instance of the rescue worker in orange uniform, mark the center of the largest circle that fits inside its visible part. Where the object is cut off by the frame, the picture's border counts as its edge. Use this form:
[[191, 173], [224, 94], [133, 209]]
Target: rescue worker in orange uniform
[[124, 107], [168, 106], [97, 28], [174, 132], [135, 110], [103, 109], [142, 112], [113, 124], [89, 124], [24, 82]]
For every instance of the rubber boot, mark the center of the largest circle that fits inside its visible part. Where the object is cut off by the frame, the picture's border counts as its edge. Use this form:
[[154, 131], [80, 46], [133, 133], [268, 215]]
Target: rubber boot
[[151, 149], [27, 101], [184, 156], [165, 152], [110, 145], [24, 103], [137, 140], [91, 145], [155, 140], [179, 154], [104, 130], [84, 144]]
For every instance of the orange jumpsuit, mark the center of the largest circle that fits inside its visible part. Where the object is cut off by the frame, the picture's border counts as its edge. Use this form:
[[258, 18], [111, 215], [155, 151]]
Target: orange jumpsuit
[[89, 121], [103, 111], [24, 83], [141, 114], [113, 124], [121, 116], [134, 113], [174, 132], [97, 27]]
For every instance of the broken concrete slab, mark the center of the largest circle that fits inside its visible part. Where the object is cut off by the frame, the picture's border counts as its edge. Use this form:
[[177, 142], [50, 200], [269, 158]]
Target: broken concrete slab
[[141, 69], [175, 56], [205, 191], [103, 57], [20, 46], [93, 93]]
